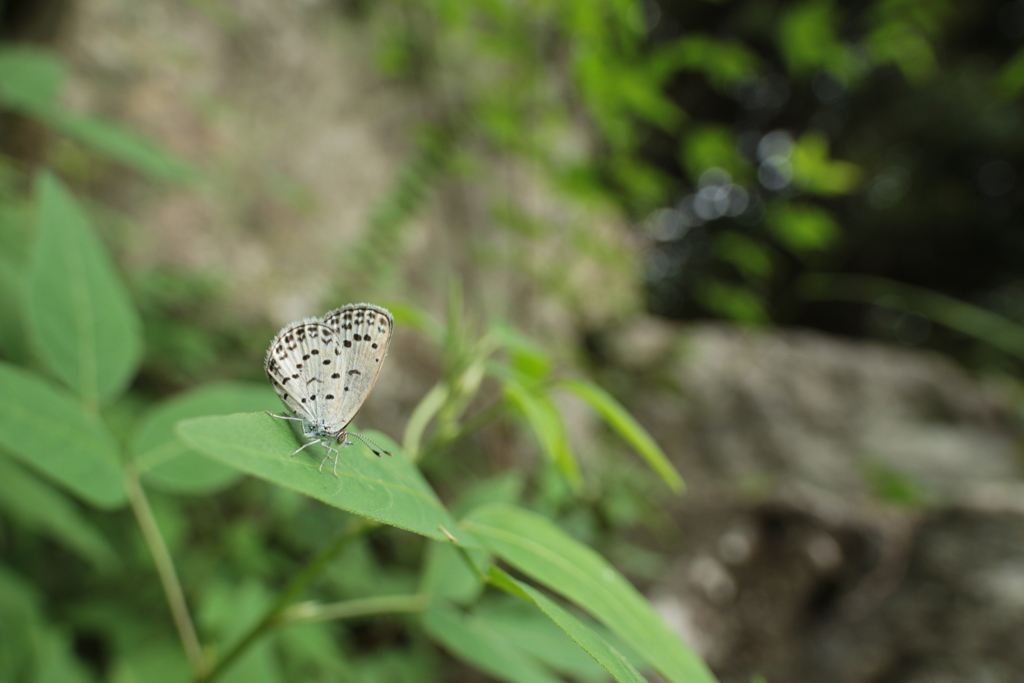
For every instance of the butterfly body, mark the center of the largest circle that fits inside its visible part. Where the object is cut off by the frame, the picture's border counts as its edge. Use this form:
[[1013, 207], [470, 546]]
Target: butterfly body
[[324, 368]]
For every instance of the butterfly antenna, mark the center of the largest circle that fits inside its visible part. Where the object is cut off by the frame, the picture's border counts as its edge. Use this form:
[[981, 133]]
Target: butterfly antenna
[[377, 450]]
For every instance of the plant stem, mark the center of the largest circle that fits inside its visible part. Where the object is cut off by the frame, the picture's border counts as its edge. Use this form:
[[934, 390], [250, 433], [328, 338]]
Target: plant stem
[[164, 569], [361, 607], [288, 595]]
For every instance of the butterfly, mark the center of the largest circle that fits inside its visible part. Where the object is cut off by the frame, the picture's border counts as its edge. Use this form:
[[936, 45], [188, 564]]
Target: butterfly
[[324, 368]]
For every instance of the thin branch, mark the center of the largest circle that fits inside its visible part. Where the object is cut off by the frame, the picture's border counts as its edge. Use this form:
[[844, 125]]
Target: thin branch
[[287, 597], [164, 569]]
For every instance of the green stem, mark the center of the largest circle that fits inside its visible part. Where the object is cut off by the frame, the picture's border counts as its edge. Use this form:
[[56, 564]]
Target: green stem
[[164, 569], [287, 597], [362, 607]]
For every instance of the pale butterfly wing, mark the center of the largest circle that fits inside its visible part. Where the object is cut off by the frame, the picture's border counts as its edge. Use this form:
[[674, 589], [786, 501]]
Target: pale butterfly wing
[[362, 335], [300, 362]]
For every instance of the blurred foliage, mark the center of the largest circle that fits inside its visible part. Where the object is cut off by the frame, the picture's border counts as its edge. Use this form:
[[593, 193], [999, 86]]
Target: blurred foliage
[[761, 151], [68, 475]]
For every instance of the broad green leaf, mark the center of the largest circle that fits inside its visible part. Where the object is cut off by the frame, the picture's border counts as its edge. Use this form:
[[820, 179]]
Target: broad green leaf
[[51, 432], [79, 312], [619, 419], [482, 648], [38, 506], [168, 464], [387, 489], [604, 654], [536, 547]]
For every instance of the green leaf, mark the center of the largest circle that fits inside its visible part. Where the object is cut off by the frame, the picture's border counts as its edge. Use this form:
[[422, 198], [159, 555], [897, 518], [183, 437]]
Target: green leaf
[[803, 228], [229, 611], [597, 647], [13, 344], [38, 506], [387, 489], [125, 146], [79, 312], [52, 433], [749, 256], [536, 547], [807, 36], [732, 301], [21, 623], [1010, 82], [446, 574], [619, 419], [481, 648], [30, 79], [815, 171], [546, 422], [517, 619], [713, 145], [57, 661], [169, 465]]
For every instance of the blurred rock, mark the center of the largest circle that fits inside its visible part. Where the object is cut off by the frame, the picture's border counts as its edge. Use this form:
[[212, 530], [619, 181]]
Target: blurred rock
[[854, 511], [824, 422]]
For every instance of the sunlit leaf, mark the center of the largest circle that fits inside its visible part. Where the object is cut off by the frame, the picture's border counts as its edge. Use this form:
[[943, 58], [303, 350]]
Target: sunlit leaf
[[814, 171], [80, 314], [51, 432], [537, 548], [387, 489], [712, 146], [802, 227]]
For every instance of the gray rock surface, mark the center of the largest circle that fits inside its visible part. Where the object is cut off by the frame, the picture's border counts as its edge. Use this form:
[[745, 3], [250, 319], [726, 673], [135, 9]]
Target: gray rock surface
[[854, 511]]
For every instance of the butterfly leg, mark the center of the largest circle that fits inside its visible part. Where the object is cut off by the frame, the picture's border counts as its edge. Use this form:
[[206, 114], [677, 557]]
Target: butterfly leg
[[282, 417], [329, 451], [306, 446]]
